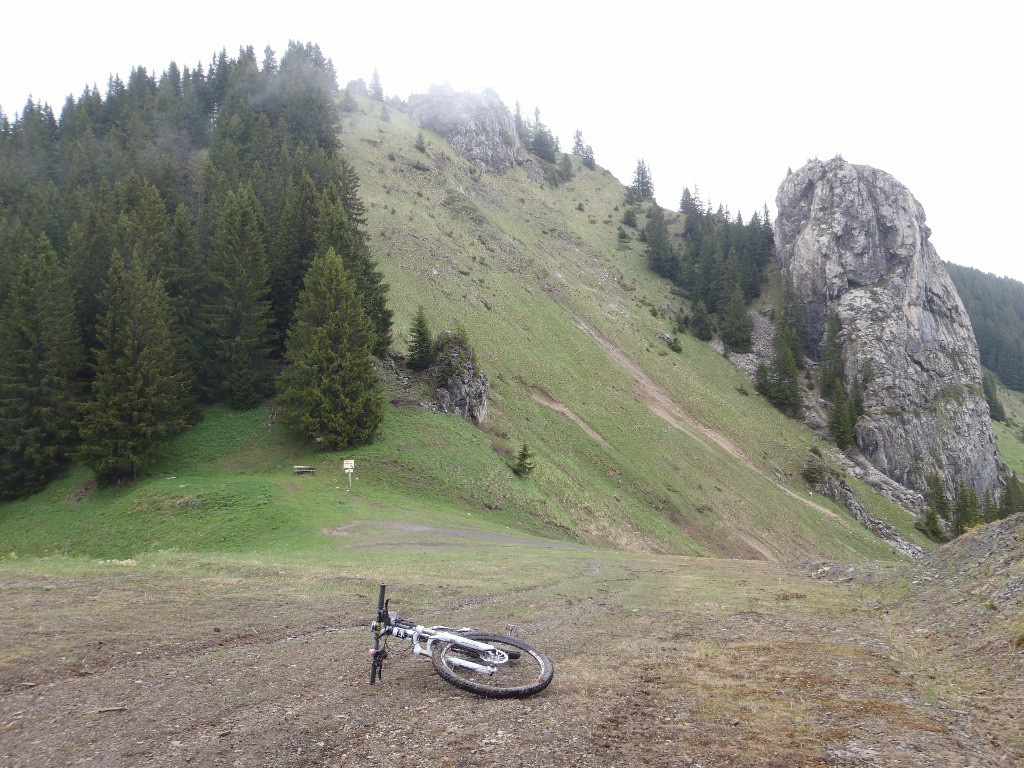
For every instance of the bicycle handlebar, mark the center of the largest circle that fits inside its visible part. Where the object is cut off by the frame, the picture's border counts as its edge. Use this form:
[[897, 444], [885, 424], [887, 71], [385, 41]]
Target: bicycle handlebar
[[380, 599]]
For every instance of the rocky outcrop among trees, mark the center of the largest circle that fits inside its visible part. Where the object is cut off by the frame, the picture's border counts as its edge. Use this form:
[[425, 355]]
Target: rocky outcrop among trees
[[478, 126], [852, 240], [461, 386]]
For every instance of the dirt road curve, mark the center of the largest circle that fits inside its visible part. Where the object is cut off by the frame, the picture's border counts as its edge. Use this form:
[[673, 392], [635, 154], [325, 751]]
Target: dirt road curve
[[250, 664]]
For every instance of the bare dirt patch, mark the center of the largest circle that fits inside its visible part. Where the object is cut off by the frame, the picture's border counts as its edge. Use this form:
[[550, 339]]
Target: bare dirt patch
[[82, 492], [658, 662]]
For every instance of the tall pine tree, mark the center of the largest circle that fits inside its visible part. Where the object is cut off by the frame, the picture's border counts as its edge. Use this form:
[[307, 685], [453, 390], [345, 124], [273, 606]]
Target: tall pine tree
[[701, 324], [295, 247], [329, 390], [40, 355], [779, 380], [737, 327], [937, 507], [237, 316], [335, 230], [141, 394], [661, 256], [421, 346], [840, 424], [830, 370], [642, 187]]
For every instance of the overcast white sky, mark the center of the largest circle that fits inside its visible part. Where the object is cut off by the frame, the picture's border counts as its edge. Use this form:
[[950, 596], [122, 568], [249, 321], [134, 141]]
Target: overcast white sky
[[724, 96]]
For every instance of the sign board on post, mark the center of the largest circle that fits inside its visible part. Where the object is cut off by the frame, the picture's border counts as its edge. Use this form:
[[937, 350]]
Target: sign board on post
[[349, 465]]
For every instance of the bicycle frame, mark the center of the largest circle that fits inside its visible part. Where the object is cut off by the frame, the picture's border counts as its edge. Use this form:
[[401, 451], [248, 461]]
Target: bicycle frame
[[387, 624], [445, 635]]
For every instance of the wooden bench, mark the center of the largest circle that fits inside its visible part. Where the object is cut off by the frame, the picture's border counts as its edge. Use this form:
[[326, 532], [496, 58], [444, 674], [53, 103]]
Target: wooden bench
[[303, 470]]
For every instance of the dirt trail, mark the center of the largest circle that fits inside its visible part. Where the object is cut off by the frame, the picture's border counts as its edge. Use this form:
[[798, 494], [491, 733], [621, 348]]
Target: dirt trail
[[542, 397], [426, 535], [664, 404]]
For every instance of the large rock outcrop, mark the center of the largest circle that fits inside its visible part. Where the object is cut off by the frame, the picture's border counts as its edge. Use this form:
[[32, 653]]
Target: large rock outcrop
[[478, 126], [854, 241]]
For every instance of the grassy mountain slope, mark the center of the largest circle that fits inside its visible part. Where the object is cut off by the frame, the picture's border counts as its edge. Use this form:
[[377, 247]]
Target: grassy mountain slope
[[638, 448]]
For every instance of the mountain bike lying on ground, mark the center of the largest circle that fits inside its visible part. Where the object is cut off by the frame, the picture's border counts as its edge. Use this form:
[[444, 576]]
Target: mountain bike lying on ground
[[496, 666]]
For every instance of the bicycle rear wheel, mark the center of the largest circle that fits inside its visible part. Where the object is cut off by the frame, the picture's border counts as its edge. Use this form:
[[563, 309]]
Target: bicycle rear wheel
[[520, 669]]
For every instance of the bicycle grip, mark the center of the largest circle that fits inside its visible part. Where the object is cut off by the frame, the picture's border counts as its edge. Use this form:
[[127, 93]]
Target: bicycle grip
[[380, 598]]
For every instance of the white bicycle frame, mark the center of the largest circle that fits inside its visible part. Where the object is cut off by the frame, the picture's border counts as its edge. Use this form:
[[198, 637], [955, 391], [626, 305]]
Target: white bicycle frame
[[447, 635]]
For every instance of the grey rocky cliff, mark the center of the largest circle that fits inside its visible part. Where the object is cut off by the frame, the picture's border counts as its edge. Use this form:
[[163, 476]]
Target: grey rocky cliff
[[478, 126], [854, 241]]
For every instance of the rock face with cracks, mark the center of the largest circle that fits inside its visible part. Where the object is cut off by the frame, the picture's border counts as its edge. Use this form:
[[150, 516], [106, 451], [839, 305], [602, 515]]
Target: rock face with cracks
[[478, 126], [853, 240]]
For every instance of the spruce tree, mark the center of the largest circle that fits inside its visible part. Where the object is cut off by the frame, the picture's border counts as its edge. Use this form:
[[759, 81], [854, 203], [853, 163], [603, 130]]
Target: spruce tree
[[642, 187], [335, 230], [856, 400], [830, 369], [329, 391], [583, 151], [376, 91], [938, 499], [686, 203], [737, 327], [840, 425], [141, 394], [792, 319], [40, 356], [184, 279], [237, 315], [295, 247], [348, 190], [991, 390], [421, 347], [989, 507], [1011, 500], [525, 463], [144, 226], [701, 324], [779, 381], [965, 510], [543, 143], [661, 256], [937, 506], [91, 240], [577, 143]]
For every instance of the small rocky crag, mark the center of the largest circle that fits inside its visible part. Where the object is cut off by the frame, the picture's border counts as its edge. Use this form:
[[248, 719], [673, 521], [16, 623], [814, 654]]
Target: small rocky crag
[[831, 484], [478, 126], [853, 240], [461, 386]]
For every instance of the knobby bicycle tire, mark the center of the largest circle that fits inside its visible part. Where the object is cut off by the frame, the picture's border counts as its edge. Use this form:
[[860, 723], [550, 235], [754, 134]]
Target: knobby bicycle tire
[[527, 671]]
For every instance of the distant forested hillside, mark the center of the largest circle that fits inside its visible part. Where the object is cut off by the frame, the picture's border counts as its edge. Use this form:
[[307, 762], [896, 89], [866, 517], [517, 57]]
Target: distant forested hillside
[[176, 240], [996, 307]]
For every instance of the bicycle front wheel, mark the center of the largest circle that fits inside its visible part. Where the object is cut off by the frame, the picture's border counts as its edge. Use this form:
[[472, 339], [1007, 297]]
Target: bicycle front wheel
[[519, 669]]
